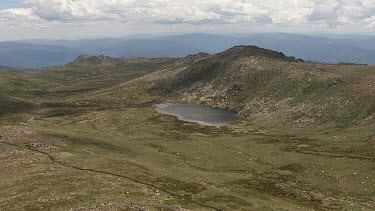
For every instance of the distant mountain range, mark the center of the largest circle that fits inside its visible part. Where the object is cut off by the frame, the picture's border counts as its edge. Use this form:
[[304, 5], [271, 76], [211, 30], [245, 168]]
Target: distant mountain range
[[325, 49]]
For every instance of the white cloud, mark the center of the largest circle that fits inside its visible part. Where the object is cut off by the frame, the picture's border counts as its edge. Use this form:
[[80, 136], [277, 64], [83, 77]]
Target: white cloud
[[18, 15], [278, 12]]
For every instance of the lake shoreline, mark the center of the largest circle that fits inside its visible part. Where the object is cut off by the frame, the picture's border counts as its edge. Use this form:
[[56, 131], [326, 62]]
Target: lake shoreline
[[163, 109]]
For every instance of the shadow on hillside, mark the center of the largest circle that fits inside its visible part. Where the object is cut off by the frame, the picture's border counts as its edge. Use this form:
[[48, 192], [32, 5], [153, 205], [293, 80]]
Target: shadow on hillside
[[9, 107]]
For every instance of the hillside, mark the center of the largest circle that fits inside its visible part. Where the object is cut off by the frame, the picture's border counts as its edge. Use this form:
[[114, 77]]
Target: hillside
[[90, 129], [275, 91], [219, 67]]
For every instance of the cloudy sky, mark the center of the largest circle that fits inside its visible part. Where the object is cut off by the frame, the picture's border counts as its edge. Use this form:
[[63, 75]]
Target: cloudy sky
[[24, 19]]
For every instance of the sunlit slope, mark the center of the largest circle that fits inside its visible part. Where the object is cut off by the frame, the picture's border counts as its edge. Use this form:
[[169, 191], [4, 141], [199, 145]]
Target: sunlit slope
[[31, 91], [274, 91]]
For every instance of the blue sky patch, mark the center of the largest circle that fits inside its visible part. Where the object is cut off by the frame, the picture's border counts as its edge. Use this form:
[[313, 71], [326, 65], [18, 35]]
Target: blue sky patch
[[6, 4]]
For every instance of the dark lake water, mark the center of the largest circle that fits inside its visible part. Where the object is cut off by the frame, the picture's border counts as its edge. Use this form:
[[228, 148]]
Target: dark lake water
[[202, 114]]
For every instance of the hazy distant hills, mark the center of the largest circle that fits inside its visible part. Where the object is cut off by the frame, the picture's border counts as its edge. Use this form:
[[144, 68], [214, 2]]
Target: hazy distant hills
[[335, 53], [329, 49], [28, 55]]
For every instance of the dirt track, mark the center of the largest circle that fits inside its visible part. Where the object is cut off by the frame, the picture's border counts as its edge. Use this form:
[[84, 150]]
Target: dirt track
[[111, 174]]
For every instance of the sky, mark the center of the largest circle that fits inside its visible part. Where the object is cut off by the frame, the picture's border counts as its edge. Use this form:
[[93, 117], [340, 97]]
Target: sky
[[74, 19], [6, 4]]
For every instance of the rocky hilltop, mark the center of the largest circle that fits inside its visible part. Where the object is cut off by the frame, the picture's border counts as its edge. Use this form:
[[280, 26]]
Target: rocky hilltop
[[274, 89], [250, 50]]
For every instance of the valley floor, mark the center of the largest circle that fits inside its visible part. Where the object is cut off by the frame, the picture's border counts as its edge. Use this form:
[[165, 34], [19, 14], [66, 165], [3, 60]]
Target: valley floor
[[228, 168]]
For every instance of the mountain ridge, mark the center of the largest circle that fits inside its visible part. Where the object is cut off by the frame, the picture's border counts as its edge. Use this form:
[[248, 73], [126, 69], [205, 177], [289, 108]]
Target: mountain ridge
[[249, 84], [252, 50], [42, 53]]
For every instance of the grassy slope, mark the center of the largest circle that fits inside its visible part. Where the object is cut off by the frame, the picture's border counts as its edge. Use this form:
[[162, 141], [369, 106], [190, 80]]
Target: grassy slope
[[324, 163], [276, 93]]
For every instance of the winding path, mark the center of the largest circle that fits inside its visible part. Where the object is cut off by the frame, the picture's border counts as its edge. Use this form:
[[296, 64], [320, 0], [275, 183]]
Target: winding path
[[111, 174]]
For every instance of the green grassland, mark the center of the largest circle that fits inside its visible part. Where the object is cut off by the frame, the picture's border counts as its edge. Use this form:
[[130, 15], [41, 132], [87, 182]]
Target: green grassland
[[305, 139]]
